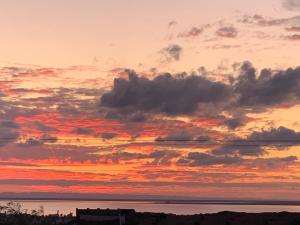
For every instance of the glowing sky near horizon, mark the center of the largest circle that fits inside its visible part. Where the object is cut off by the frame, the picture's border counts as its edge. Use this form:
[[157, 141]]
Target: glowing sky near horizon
[[178, 98]]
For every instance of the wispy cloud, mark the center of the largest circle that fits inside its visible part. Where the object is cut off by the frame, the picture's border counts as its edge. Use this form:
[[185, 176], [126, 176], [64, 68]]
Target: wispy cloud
[[193, 32], [291, 4], [227, 32], [171, 53]]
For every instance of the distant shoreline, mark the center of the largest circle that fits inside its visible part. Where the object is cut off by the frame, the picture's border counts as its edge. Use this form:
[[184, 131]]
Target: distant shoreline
[[158, 201]]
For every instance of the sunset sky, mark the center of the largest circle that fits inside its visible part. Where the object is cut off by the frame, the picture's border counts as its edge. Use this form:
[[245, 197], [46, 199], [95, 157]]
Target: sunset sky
[[189, 98]]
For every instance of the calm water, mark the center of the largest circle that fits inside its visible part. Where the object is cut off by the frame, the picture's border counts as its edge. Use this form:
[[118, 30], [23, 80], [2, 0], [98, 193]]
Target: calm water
[[65, 207]]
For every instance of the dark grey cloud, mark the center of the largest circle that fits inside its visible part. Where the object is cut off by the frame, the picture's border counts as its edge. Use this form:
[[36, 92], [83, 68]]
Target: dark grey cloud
[[8, 132], [242, 148], [276, 136], [116, 157], [83, 131], [185, 139], [36, 149], [253, 145], [163, 157], [235, 122], [172, 53], [291, 4], [227, 32], [165, 93], [193, 32], [272, 163], [9, 124], [195, 159], [108, 136], [44, 128], [156, 157], [137, 98], [267, 89]]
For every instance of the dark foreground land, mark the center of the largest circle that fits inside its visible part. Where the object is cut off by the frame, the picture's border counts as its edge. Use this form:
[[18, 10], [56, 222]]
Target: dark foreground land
[[222, 218]]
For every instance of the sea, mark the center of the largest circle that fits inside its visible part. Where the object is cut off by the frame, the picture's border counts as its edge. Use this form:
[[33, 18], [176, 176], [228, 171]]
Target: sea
[[69, 206]]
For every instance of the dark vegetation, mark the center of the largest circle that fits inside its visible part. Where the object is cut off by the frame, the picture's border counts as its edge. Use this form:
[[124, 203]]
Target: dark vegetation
[[222, 218], [13, 214]]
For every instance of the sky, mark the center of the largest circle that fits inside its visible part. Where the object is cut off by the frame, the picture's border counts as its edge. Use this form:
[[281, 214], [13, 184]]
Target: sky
[[192, 98]]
